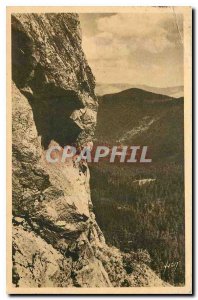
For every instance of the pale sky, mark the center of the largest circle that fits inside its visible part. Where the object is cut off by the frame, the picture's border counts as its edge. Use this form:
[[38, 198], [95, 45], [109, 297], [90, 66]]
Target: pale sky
[[142, 49]]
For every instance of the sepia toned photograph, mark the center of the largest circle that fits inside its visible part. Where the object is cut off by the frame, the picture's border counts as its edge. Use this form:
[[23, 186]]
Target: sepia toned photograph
[[99, 143]]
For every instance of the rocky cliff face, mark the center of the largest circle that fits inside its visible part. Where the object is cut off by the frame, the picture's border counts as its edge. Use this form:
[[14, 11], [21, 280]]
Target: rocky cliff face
[[56, 240]]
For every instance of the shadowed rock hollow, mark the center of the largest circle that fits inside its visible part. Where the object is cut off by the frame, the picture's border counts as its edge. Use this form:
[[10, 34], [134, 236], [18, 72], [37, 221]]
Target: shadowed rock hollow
[[56, 239]]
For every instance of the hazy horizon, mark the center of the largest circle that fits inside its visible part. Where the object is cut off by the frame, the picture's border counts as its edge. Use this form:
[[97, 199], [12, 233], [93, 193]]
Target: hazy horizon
[[108, 88], [139, 84]]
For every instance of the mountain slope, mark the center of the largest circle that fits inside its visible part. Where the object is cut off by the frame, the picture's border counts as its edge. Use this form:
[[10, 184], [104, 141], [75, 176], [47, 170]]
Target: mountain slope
[[138, 117], [143, 216]]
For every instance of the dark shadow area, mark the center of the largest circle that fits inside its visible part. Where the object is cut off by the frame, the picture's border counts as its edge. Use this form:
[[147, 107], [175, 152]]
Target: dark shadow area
[[22, 60], [52, 105], [52, 117]]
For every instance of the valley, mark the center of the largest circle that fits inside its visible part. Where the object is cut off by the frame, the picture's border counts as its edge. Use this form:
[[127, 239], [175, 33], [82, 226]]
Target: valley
[[148, 217]]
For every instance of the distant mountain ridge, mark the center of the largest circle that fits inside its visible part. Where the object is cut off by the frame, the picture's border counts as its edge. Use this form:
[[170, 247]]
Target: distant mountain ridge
[[140, 95], [103, 89], [139, 117]]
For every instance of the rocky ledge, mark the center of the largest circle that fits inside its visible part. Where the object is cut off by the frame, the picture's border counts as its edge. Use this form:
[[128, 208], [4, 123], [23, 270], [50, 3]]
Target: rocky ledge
[[56, 239]]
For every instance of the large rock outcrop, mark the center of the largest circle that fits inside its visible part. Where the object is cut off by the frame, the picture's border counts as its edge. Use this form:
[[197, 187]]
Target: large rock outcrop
[[56, 240]]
